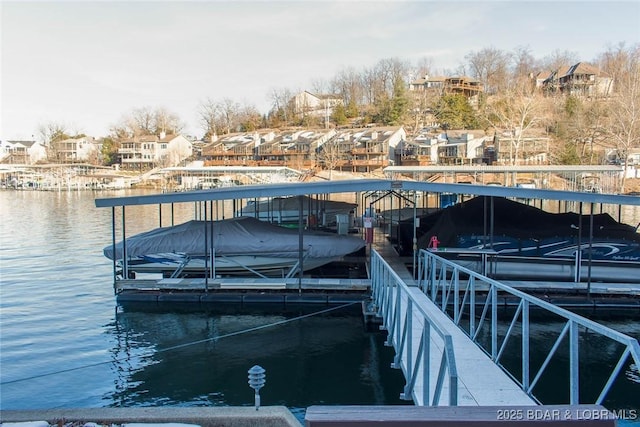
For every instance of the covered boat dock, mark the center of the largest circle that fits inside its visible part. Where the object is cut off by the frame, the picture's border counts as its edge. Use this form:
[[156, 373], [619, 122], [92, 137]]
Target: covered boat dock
[[368, 192], [440, 363]]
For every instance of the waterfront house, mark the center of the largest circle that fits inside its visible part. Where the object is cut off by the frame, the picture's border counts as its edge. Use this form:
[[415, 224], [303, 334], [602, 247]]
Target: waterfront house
[[362, 150], [422, 150], [22, 152], [280, 150], [149, 151], [71, 150], [294, 149], [235, 149], [460, 149]]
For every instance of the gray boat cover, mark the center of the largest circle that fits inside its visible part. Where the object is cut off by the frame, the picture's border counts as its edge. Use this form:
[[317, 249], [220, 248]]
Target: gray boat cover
[[242, 235], [281, 204]]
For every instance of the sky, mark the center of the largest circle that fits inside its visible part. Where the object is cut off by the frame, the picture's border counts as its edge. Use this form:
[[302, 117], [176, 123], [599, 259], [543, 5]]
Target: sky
[[86, 64]]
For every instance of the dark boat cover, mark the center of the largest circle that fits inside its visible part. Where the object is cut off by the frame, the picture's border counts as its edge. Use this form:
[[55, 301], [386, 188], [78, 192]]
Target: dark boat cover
[[513, 219]]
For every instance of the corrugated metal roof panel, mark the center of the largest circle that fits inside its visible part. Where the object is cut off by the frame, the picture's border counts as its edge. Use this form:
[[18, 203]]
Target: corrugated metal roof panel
[[363, 185]]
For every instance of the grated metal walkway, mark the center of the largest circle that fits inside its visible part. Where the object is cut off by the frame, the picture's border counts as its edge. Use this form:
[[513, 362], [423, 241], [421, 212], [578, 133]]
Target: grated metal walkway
[[480, 381]]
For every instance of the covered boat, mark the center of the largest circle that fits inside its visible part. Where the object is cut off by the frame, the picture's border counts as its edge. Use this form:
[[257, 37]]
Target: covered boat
[[283, 210], [240, 246], [525, 242]]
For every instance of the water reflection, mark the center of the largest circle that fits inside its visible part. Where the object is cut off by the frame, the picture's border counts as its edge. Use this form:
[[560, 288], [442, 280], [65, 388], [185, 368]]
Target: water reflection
[[57, 315], [171, 356], [598, 357]]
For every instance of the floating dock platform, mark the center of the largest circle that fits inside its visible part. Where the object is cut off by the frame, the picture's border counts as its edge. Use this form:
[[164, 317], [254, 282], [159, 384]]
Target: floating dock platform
[[244, 290]]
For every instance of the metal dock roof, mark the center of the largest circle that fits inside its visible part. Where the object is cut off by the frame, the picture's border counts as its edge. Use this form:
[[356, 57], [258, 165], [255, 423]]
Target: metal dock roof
[[504, 168], [362, 185]]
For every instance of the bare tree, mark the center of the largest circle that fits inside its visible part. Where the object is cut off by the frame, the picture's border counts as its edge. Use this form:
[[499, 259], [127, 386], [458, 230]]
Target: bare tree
[[368, 79], [385, 74], [224, 116], [585, 126], [559, 59], [491, 67], [167, 122], [208, 118], [228, 111], [348, 83], [51, 132], [524, 64], [146, 121], [330, 154], [249, 118], [319, 86], [423, 68], [282, 109], [382, 81], [615, 61], [143, 118], [624, 108], [517, 110]]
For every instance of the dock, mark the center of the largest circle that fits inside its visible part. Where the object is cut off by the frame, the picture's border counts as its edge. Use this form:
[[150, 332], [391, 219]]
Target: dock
[[422, 315], [480, 382], [244, 290]]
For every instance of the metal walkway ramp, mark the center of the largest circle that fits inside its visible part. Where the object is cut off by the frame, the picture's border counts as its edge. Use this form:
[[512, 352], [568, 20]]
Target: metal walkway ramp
[[431, 350], [445, 330]]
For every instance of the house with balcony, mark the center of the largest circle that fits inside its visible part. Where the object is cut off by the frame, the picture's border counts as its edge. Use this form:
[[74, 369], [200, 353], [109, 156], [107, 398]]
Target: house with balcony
[[279, 150], [236, 149], [76, 150], [460, 149], [149, 151], [422, 150], [581, 79], [295, 149], [335, 153], [22, 152], [467, 86], [370, 151], [363, 150]]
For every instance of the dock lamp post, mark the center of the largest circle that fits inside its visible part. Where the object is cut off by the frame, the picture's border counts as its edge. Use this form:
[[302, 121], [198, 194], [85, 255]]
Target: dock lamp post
[[256, 382]]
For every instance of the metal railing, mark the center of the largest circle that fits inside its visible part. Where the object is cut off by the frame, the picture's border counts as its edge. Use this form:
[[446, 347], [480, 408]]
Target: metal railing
[[396, 304], [456, 290]]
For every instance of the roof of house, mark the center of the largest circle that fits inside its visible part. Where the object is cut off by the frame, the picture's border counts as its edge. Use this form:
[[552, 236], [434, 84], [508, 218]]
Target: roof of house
[[153, 138], [544, 75], [328, 96], [146, 138], [465, 78], [584, 68], [575, 69], [323, 95], [23, 143], [167, 138], [423, 80], [555, 74]]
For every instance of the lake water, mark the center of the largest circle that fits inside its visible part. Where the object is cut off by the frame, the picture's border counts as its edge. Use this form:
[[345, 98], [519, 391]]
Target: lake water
[[65, 342]]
